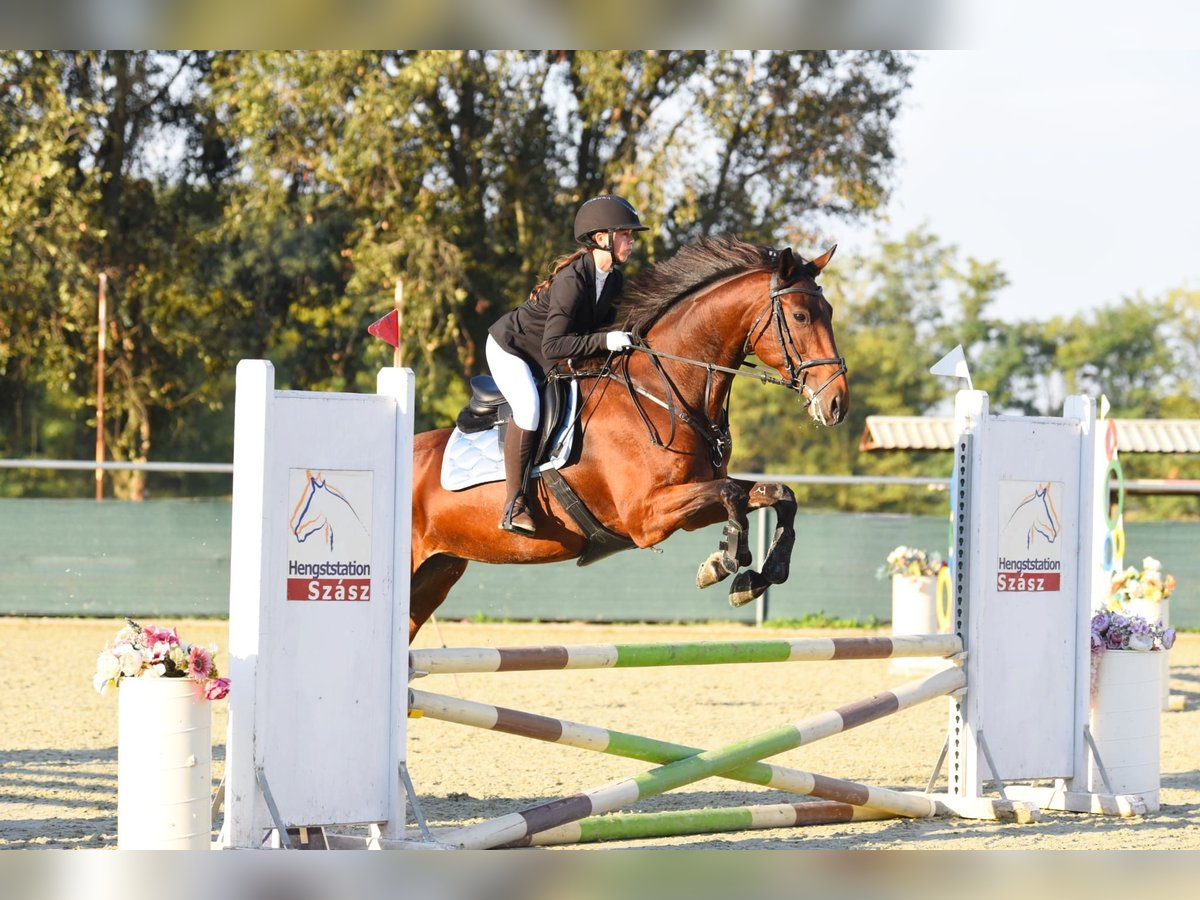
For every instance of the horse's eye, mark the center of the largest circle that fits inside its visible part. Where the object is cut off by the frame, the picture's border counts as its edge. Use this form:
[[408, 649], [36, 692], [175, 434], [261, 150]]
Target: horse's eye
[[801, 317]]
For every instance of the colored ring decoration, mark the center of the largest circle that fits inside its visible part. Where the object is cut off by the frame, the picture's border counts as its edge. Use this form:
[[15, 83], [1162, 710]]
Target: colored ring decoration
[[945, 600], [1110, 439], [1109, 556], [1112, 521], [1118, 539]]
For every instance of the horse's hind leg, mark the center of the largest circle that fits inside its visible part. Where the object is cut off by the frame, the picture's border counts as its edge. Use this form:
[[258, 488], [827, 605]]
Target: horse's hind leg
[[430, 585], [734, 549]]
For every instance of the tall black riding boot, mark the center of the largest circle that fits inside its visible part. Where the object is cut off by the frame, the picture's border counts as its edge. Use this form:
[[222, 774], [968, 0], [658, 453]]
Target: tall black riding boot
[[518, 447]]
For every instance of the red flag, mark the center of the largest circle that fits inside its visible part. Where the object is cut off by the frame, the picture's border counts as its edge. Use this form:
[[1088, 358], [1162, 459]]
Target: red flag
[[387, 328]]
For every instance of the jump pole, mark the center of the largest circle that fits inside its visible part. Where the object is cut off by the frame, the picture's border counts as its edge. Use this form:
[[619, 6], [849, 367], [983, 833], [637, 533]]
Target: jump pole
[[516, 826], [616, 743], [695, 653], [672, 823]]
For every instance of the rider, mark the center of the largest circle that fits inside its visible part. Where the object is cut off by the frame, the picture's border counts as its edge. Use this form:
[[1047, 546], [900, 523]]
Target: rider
[[568, 314]]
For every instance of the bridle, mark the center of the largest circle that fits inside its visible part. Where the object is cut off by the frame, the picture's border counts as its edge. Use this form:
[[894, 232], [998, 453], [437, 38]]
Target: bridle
[[793, 359], [717, 435], [787, 344]]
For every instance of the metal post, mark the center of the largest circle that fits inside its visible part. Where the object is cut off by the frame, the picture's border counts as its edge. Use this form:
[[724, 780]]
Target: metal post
[[101, 346], [398, 302]]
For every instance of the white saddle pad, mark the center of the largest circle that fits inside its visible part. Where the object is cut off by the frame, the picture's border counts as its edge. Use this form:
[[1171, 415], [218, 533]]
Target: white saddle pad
[[472, 459]]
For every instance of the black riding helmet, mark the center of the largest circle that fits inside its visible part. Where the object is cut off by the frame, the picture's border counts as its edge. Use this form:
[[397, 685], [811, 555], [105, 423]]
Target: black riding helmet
[[605, 213]]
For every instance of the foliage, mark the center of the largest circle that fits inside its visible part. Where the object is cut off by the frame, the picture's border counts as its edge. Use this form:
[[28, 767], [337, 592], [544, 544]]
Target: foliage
[[271, 205], [820, 619]]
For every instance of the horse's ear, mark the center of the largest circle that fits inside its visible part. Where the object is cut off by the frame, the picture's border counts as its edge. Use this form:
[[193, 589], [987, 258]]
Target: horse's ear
[[785, 266], [823, 260]]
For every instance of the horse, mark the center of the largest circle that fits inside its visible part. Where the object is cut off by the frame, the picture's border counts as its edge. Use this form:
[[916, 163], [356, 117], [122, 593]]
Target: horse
[[654, 425]]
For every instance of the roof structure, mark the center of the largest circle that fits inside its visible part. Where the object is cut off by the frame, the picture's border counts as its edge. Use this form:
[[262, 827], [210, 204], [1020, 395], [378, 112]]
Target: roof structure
[[937, 433]]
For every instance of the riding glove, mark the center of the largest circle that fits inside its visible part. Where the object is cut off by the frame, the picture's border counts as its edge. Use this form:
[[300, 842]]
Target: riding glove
[[618, 340]]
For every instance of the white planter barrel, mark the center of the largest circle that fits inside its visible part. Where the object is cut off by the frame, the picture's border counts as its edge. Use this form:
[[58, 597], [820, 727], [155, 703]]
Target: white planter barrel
[[1125, 723], [914, 611], [1152, 613], [164, 765]]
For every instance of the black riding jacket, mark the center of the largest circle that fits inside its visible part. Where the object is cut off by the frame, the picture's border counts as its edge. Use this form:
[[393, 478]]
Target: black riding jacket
[[564, 319]]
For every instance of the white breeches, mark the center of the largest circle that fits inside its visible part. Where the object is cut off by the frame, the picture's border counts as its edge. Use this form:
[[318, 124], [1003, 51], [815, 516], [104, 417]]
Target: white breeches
[[516, 383]]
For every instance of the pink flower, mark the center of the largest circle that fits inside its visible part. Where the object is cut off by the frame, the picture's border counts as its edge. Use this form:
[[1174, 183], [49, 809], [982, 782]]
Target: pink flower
[[199, 663], [155, 635], [216, 689]]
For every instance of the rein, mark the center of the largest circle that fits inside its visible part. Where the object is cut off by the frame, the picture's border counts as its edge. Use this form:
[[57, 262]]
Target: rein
[[717, 436]]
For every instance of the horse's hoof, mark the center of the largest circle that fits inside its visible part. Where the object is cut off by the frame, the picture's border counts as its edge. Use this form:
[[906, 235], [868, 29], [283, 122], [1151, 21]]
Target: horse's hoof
[[711, 571], [745, 588]]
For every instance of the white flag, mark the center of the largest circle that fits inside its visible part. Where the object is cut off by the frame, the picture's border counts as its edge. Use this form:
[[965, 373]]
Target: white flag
[[953, 364]]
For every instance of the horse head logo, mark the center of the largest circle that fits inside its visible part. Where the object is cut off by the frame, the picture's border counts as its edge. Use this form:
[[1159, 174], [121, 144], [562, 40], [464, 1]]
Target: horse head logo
[[323, 512], [1036, 517]]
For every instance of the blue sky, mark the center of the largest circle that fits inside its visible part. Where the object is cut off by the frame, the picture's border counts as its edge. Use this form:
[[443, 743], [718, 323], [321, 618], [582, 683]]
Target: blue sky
[[1077, 169]]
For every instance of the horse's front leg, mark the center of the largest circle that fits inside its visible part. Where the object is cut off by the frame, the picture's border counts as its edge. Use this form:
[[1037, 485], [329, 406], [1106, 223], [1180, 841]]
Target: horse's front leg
[[734, 550], [777, 566], [750, 585]]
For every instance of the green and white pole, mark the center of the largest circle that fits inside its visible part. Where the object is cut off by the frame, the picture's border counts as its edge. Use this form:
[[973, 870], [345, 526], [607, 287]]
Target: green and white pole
[[637, 826], [437, 661], [632, 746], [516, 826]]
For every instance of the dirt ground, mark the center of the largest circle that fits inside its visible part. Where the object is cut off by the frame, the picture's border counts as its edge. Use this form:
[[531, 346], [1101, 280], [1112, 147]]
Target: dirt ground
[[58, 753]]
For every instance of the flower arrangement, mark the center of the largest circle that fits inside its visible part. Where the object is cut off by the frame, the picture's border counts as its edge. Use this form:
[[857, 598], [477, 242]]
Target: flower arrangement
[[152, 652], [1113, 631], [910, 561], [1149, 584]]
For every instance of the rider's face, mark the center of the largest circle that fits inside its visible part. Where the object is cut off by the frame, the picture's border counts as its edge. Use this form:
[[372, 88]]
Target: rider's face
[[623, 242]]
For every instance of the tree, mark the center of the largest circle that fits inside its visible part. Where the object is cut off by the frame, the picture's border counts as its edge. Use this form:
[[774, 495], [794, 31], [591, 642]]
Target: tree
[[46, 282], [459, 172]]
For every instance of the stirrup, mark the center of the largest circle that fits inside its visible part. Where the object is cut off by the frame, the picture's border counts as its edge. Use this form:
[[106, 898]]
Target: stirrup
[[517, 518]]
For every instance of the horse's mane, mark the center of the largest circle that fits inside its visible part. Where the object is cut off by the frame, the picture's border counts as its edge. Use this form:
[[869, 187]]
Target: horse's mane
[[710, 259]]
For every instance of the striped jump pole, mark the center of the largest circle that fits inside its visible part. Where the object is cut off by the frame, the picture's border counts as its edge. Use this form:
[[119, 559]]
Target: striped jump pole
[[515, 826], [695, 653], [632, 746], [672, 823]]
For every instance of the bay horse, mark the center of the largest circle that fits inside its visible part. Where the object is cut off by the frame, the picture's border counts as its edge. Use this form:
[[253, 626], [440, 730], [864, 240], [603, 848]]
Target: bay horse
[[654, 425]]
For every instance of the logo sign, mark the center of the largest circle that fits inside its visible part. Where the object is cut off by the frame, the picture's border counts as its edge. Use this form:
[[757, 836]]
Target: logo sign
[[1031, 538], [329, 535]]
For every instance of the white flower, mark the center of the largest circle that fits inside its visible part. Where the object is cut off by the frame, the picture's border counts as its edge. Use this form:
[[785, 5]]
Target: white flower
[[131, 662], [155, 671], [107, 665], [1151, 563], [1141, 642]]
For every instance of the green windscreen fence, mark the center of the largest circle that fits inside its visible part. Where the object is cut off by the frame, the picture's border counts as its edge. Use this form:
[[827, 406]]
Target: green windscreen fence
[[171, 558]]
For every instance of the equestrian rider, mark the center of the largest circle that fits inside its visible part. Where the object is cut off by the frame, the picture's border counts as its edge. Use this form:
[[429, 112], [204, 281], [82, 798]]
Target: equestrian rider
[[569, 314]]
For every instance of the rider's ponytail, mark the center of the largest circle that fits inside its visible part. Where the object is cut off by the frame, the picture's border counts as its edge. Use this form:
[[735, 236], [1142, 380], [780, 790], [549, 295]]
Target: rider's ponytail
[[559, 264]]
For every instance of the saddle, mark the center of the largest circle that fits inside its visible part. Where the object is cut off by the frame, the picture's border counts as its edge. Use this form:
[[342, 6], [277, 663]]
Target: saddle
[[474, 451], [488, 409]]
